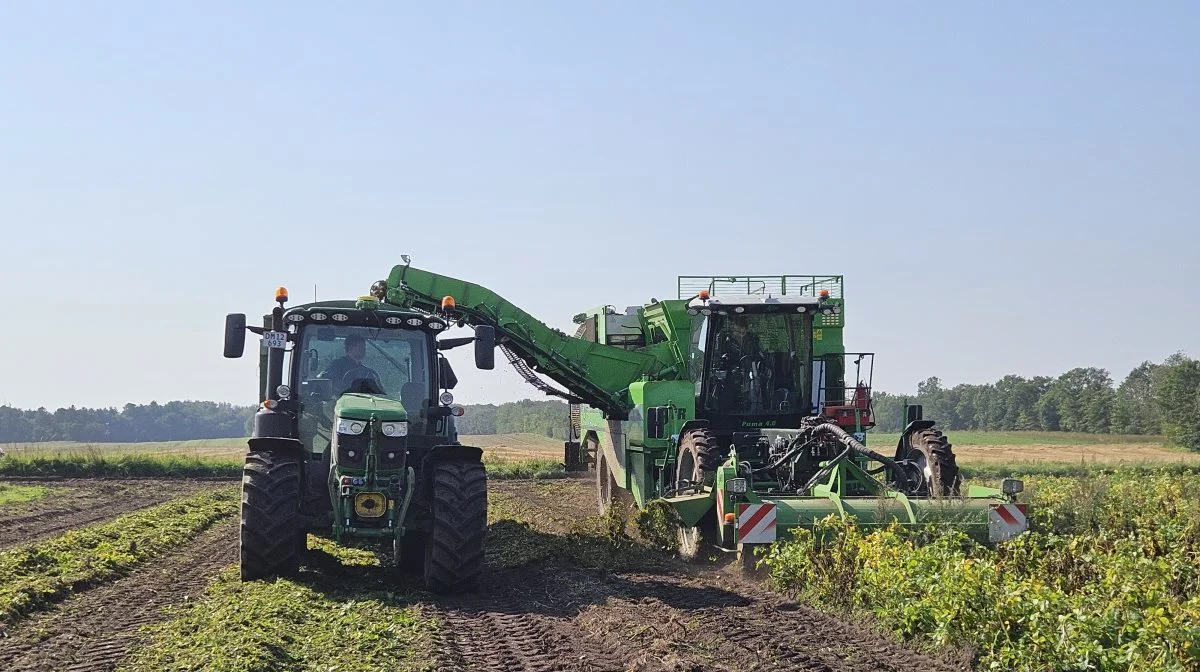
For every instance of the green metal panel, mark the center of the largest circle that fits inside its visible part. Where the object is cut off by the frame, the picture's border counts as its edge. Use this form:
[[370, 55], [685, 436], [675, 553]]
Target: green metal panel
[[365, 406], [600, 374]]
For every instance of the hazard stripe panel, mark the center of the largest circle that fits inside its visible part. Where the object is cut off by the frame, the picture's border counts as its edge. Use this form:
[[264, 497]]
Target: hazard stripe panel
[[756, 523], [1006, 521]]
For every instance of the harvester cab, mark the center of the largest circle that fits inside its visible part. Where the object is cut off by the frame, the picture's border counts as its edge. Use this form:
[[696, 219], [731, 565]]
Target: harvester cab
[[355, 437]]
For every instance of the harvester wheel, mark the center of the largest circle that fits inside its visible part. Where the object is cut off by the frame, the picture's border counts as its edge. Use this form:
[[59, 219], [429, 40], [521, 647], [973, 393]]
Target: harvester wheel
[[932, 452], [696, 463], [454, 549], [271, 528], [605, 483], [608, 493]]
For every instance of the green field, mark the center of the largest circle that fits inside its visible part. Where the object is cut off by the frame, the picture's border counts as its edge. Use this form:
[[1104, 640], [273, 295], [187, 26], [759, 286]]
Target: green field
[[523, 455], [19, 494], [1106, 579]]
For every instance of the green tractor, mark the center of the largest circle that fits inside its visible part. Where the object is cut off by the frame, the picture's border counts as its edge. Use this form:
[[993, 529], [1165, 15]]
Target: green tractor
[[355, 437], [736, 404]]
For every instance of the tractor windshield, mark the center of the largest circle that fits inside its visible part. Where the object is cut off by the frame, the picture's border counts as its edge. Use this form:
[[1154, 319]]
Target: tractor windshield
[[389, 362], [332, 360], [754, 363]]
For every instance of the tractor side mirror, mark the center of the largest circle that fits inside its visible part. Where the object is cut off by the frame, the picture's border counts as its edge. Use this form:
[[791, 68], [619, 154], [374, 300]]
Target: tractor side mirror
[[235, 335], [656, 422], [485, 347]]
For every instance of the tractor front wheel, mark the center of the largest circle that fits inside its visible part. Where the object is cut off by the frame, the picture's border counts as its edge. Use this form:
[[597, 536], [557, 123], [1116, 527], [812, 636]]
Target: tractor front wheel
[[454, 548], [270, 532], [695, 465]]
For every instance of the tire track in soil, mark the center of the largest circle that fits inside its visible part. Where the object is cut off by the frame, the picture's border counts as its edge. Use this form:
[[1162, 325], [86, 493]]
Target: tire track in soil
[[501, 631], [93, 630], [84, 502], [549, 617]]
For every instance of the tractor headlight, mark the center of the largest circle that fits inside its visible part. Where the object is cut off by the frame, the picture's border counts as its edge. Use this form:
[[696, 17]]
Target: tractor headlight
[[395, 429], [736, 485], [1011, 486], [351, 427]]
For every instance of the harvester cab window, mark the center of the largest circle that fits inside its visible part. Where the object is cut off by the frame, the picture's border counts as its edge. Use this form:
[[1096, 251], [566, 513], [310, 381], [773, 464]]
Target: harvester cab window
[[757, 364]]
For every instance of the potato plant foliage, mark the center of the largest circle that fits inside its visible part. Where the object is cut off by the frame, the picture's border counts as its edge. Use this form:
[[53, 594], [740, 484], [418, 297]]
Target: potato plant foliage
[[39, 573], [1106, 579]]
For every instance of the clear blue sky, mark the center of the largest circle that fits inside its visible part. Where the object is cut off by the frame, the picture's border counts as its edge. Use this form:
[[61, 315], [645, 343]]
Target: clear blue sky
[[1008, 187]]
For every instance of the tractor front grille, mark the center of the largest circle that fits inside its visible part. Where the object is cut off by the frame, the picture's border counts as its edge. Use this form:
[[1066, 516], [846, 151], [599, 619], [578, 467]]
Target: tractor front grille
[[352, 450]]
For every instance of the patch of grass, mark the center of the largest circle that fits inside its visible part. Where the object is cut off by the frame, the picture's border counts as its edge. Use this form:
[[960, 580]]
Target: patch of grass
[[343, 614], [96, 464], [501, 470], [19, 494], [39, 573]]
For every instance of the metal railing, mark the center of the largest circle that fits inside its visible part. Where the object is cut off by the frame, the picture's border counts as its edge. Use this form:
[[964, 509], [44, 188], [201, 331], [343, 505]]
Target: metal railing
[[772, 285]]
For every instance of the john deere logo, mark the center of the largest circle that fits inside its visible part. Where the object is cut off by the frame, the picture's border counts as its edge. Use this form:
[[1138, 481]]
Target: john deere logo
[[369, 505]]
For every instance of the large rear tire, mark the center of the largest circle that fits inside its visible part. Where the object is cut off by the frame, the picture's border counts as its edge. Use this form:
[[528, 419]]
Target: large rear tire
[[270, 531], [454, 549], [932, 451], [696, 464]]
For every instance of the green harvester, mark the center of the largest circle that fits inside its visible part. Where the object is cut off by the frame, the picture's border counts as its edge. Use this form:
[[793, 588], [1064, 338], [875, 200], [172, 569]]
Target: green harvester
[[735, 402]]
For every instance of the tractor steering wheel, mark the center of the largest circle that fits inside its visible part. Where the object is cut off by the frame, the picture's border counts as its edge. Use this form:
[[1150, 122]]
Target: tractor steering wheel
[[361, 372]]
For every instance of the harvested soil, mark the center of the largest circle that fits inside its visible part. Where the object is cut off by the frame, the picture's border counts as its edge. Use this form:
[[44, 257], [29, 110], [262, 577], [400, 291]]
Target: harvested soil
[[557, 595], [82, 501], [92, 631], [665, 616]]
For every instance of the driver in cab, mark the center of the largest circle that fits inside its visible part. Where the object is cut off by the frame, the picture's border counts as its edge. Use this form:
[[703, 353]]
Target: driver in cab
[[349, 368]]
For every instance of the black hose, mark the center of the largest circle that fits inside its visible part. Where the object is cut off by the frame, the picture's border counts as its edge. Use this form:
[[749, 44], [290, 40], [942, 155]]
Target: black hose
[[855, 445]]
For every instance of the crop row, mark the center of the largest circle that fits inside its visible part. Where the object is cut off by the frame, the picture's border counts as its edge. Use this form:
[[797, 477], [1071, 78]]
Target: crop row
[[39, 573], [1106, 579], [342, 612]]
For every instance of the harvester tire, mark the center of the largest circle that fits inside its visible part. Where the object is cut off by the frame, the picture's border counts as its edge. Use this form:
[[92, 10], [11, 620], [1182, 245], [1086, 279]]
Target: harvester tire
[[697, 462], [698, 458], [454, 549], [608, 493], [931, 448], [270, 525]]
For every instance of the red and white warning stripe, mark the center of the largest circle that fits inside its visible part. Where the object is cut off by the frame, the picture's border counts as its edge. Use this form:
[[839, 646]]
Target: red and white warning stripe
[[756, 523], [1006, 521]]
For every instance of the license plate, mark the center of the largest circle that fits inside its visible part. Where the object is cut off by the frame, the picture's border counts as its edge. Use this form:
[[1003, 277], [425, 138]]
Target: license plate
[[275, 339]]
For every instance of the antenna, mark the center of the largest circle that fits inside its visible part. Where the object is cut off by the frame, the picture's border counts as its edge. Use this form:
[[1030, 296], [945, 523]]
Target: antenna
[[314, 292]]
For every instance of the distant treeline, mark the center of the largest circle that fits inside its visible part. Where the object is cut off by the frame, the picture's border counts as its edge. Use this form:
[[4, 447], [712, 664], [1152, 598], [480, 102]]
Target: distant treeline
[[546, 418], [173, 421], [1153, 399]]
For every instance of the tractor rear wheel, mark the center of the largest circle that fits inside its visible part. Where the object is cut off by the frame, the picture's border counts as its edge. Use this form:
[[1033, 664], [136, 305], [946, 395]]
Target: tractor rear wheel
[[932, 452], [271, 532], [696, 464], [454, 548]]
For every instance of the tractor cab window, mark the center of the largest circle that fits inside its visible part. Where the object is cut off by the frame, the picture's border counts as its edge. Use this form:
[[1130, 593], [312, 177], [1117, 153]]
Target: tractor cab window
[[389, 362], [756, 364]]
